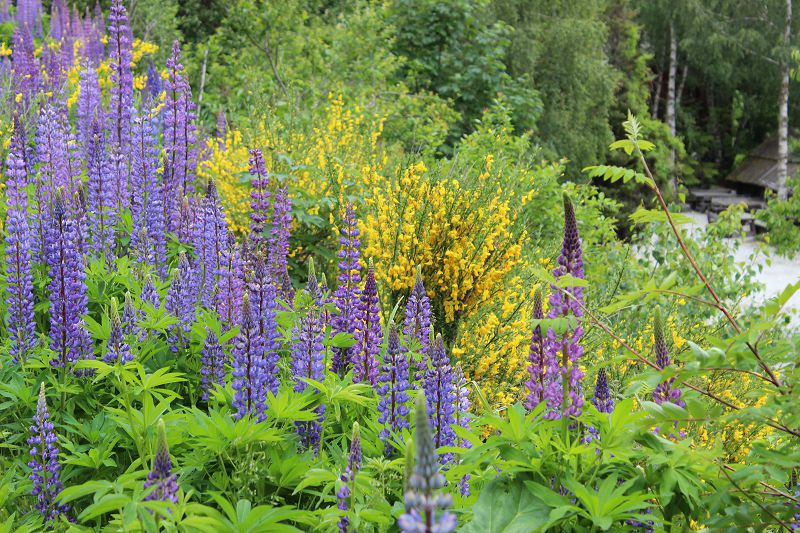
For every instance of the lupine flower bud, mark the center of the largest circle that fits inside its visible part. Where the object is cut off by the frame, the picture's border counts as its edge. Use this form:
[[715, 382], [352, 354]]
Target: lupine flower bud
[[418, 321], [426, 511], [563, 390], [347, 293], [44, 462], [213, 361], [602, 395], [118, 348], [368, 333], [163, 481], [392, 387], [664, 392], [348, 477]]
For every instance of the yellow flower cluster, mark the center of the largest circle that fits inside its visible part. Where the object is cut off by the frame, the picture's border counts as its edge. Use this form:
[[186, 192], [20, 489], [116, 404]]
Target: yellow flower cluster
[[337, 160], [460, 230]]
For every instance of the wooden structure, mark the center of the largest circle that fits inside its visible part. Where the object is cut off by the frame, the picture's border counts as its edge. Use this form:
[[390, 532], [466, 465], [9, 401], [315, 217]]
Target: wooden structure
[[759, 171]]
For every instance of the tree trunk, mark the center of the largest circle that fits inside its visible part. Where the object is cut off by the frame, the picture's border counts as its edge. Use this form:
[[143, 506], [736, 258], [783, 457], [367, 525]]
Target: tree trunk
[[669, 116], [657, 94], [783, 108]]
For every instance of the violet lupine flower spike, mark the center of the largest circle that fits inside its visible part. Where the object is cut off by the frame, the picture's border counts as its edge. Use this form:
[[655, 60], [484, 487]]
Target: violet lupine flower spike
[[120, 44], [210, 239], [563, 390], [308, 359], [118, 348], [101, 197], [418, 322], [259, 200], [150, 293], [255, 369], [392, 386], [278, 252], [664, 392], [213, 361], [147, 202], [348, 477], [181, 301], [537, 357], [179, 136], [44, 462], [19, 253], [68, 298], [440, 393], [347, 293], [161, 481], [426, 511], [230, 283], [89, 107], [368, 333]]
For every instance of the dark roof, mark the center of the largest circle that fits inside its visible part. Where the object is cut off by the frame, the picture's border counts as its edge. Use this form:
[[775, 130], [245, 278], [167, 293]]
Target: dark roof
[[761, 165]]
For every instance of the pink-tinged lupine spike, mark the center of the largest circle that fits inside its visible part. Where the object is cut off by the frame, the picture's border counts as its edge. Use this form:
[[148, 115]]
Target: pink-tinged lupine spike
[[563, 390], [347, 292]]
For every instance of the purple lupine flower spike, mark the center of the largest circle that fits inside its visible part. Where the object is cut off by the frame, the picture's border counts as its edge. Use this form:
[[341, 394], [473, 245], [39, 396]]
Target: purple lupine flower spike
[[462, 416], [537, 357], [44, 462], [147, 202], [179, 136], [602, 399], [68, 298], [25, 66], [210, 240], [29, 14], [88, 108], [120, 44], [101, 196], [150, 293], [118, 348], [308, 358], [161, 481], [440, 393], [563, 390], [664, 392], [251, 368], [347, 487], [19, 253], [368, 333], [154, 84], [259, 200], [418, 322], [392, 388], [347, 293], [181, 301], [278, 252], [426, 511], [230, 284], [213, 361]]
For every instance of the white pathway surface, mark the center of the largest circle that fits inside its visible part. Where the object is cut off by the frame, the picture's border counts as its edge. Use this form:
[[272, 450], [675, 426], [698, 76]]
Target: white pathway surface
[[777, 272]]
